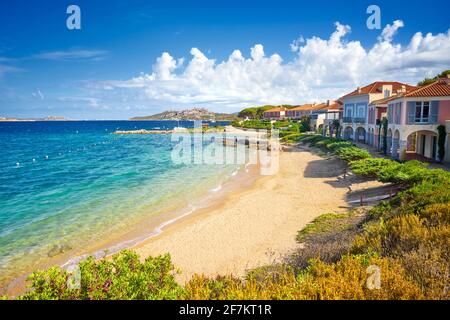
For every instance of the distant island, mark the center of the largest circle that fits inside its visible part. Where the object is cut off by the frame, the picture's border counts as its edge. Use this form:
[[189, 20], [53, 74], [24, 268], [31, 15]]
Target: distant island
[[189, 114], [49, 118]]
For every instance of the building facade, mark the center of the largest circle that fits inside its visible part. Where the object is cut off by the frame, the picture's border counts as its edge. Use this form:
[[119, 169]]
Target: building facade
[[278, 113], [413, 121], [355, 121]]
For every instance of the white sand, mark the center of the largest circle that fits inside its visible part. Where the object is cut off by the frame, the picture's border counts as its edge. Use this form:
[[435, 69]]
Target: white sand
[[256, 226]]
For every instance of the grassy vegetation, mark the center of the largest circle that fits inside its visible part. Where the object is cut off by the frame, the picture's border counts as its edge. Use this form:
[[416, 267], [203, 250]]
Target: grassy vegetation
[[352, 153], [324, 223], [253, 124], [122, 277], [288, 130], [258, 112], [407, 238]]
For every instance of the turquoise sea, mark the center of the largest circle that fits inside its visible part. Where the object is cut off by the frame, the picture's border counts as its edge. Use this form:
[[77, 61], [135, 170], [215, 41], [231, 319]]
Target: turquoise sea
[[67, 185]]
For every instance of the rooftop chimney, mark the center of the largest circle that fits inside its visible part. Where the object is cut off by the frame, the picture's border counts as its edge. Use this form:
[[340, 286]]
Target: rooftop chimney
[[403, 88], [328, 103], [359, 89]]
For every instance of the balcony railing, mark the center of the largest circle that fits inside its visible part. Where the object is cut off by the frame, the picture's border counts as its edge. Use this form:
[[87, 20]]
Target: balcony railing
[[354, 120], [348, 119]]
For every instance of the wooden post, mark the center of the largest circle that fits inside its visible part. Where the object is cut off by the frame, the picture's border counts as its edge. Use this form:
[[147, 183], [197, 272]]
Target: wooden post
[[361, 200]]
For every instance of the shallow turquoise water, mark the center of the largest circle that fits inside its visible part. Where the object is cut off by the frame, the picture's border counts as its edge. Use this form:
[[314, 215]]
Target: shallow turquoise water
[[85, 184]]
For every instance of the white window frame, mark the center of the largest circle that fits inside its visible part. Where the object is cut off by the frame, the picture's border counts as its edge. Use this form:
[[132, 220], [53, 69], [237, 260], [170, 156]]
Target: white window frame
[[421, 120]]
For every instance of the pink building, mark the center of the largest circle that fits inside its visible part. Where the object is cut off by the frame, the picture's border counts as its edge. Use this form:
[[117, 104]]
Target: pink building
[[413, 121], [277, 113]]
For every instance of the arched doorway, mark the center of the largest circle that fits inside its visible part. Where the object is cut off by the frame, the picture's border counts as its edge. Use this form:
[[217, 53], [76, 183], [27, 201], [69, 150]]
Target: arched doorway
[[320, 128], [422, 145], [360, 135], [348, 133]]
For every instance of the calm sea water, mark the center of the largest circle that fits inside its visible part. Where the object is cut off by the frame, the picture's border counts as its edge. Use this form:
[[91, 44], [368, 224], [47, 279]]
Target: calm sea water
[[69, 184]]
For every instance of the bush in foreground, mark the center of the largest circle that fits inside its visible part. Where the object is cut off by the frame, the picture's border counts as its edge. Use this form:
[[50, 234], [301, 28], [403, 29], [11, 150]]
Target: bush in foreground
[[122, 277], [346, 279], [352, 153]]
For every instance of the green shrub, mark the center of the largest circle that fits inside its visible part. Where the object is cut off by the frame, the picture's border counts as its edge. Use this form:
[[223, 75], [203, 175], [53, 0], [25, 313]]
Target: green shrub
[[442, 134], [372, 166], [305, 124], [336, 144], [291, 137], [352, 153], [324, 143], [408, 172], [122, 277], [322, 223]]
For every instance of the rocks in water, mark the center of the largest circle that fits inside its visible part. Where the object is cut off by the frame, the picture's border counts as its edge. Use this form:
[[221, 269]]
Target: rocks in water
[[58, 249]]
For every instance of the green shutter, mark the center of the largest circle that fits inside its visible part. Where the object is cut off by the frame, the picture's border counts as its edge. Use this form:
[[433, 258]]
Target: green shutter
[[434, 111], [411, 111]]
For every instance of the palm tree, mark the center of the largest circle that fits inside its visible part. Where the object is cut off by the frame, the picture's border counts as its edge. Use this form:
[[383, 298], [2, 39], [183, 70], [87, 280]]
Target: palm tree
[[335, 125]]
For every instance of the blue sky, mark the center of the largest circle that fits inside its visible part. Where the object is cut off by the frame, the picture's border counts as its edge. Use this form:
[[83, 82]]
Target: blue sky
[[110, 68]]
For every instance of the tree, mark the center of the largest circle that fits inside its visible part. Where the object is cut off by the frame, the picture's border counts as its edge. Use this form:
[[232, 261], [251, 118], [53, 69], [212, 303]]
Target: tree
[[335, 125], [259, 113], [428, 81], [441, 142], [305, 124], [384, 122]]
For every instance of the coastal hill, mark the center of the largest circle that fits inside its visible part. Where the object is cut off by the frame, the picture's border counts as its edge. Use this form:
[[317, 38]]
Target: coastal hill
[[188, 114], [49, 118]]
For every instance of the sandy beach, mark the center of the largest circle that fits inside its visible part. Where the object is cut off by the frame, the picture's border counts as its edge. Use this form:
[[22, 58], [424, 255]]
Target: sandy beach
[[258, 225]]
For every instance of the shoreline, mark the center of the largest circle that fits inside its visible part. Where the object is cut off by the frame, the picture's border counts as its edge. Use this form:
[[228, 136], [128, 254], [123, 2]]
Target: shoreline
[[151, 226], [194, 235], [256, 226]]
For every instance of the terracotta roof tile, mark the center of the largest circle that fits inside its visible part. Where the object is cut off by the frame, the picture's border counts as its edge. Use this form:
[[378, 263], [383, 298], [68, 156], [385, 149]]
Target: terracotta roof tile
[[376, 87], [277, 109], [439, 88], [305, 107]]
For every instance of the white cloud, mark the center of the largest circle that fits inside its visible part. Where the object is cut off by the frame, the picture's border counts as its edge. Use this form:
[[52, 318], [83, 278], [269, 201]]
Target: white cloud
[[38, 94], [81, 101], [72, 55], [390, 30], [321, 69], [4, 69], [296, 44]]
